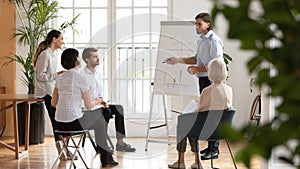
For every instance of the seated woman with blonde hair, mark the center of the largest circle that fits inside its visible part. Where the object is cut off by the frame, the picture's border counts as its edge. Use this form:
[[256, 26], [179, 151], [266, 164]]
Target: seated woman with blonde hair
[[217, 96]]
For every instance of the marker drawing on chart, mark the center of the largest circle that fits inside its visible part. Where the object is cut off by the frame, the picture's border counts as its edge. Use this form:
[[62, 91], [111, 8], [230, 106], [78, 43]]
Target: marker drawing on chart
[[173, 82], [177, 39]]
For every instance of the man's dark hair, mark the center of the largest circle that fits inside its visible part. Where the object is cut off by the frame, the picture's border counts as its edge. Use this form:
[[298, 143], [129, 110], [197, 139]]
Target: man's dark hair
[[69, 58], [86, 53], [206, 18]]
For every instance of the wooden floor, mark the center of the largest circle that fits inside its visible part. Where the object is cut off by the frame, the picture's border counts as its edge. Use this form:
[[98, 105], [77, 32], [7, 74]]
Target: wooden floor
[[158, 156]]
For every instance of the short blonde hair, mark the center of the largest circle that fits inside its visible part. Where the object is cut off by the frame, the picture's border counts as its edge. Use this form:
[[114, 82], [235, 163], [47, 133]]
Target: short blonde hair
[[217, 71]]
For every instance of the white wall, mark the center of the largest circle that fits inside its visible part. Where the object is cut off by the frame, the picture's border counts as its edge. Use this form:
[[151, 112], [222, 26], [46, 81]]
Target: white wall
[[188, 9]]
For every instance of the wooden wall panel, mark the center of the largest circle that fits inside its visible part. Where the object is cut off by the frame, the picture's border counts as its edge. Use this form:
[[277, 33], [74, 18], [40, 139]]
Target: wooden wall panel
[[7, 47]]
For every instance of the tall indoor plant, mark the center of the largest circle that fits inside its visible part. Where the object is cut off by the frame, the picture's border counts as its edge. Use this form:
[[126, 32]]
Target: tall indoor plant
[[35, 16], [273, 34]]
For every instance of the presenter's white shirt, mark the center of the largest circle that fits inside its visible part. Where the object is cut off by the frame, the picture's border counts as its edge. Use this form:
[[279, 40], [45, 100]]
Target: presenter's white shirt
[[209, 46]]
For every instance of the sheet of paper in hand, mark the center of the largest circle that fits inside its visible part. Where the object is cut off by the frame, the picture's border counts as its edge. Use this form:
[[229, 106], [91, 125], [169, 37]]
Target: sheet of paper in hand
[[93, 108], [190, 107]]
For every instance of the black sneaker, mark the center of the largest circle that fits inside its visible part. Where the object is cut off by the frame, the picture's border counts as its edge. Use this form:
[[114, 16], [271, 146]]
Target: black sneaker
[[125, 147], [204, 150], [107, 159], [208, 155], [111, 160]]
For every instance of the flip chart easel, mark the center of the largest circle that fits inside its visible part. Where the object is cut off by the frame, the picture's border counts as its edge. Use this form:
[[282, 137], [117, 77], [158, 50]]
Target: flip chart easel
[[178, 39], [158, 126]]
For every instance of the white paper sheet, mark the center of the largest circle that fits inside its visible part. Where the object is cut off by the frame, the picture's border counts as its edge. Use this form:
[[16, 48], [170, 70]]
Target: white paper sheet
[[93, 108], [190, 107]]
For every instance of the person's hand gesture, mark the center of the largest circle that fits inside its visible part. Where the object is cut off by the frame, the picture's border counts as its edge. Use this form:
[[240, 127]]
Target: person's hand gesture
[[99, 101], [104, 104], [172, 60], [61, 72], [192, 70]]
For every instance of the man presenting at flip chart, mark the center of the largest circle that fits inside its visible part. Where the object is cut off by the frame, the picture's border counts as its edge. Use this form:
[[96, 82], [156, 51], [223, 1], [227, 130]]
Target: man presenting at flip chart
[[209, 46]]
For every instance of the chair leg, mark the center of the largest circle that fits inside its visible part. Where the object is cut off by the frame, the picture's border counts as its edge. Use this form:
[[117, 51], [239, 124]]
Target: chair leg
[[59, 154], [83, 140], [77, 150], [70, 155], [92, 141], [197, 151], [211, 159], [65, 141], [231, 154]]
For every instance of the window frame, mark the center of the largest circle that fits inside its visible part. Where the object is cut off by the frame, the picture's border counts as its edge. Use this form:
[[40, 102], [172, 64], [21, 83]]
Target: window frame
[[110, 58]]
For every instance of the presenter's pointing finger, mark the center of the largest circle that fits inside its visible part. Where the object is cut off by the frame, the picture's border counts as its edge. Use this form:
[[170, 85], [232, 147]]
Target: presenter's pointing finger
[[171, 60]]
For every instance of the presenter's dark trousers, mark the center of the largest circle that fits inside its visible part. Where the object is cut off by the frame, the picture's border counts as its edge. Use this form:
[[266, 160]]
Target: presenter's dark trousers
[[117, 111], [203, 83]]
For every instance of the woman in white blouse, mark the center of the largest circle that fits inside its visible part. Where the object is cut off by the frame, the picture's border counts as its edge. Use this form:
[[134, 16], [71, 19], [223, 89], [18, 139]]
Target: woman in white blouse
[[45, 63], [217, 96], [70, 89]]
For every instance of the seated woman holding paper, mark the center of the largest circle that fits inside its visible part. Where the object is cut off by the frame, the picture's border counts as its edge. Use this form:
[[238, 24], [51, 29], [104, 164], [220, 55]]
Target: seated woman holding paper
[[70, 89], [217, 96]]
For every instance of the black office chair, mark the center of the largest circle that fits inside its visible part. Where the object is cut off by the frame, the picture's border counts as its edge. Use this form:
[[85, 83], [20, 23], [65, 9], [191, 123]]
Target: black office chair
[[205, 126]]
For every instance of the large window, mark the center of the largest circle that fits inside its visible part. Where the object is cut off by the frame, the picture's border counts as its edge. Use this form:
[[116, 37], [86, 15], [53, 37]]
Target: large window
[[126, 33]]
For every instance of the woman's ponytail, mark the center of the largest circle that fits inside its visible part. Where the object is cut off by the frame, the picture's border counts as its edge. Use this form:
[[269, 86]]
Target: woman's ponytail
[[44, 45]]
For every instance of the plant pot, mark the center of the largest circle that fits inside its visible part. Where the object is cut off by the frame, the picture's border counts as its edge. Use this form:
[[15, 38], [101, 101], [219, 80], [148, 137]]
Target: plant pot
[[37, 123]]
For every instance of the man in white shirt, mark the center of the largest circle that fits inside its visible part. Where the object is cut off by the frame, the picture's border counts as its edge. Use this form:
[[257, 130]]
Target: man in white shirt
[[94, 78]]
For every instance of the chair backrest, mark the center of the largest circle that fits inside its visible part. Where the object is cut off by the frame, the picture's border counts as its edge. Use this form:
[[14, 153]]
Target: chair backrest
[[204, 125]]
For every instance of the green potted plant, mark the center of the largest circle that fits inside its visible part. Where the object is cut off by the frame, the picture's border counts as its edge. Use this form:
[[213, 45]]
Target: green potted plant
[[273, 34], [35, 16]]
